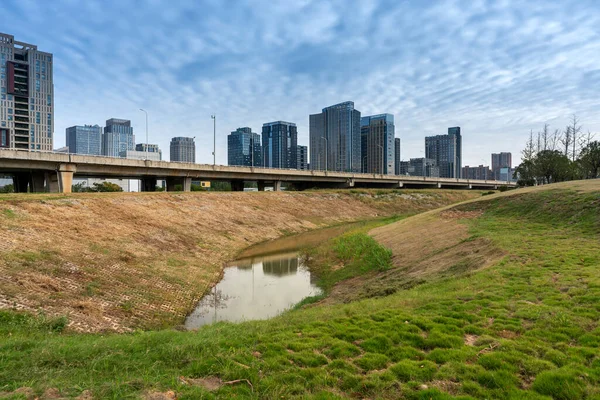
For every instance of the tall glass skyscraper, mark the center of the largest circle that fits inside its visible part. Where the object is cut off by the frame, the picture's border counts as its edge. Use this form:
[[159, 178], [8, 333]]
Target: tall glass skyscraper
[[446, 151], [86, 139], [335, 139], [118, 137], [27, 91], [244, 148], [183, 149], [379, 133], [280, 144]]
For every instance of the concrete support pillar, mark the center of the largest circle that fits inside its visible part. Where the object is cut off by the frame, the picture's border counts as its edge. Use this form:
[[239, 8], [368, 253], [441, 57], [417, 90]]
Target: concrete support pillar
[[21, 182], [470, 186], [277, 186], [400, 184], [261, 186], [439, 185], [237, 186], [187, 184], [52, 182], [148, 184], [65, 181], [36, 184]]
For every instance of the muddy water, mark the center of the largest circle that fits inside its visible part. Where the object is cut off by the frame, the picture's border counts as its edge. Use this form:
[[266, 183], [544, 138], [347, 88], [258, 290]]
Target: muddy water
[[266, 280]]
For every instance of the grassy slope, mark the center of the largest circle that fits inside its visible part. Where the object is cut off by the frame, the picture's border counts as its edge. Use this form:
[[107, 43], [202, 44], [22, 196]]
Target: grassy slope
[[115, 261], [523, 328]]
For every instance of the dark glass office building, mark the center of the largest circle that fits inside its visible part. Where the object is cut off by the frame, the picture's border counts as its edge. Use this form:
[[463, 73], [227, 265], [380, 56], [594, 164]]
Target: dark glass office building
[[244, 148], [397, 156], [446, 151], [118, 137], [86, 139], [280, 145], [379, 132]]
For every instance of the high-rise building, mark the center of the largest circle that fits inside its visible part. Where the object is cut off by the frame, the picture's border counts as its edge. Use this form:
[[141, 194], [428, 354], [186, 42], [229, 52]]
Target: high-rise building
[[480, 172], [141, 155], [335, 139], [244, 148], [280, 144], [118, 137], [446, 151], [500, 160], [27, 106], [86, 139], [397, 156], [302, 163], [423, 167], [183, 149], [379, 132]]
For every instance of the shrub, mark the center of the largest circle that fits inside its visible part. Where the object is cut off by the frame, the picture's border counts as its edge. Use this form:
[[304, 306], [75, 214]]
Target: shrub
[[560, 384]]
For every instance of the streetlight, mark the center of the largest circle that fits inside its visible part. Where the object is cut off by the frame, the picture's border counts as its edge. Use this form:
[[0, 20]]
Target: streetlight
[[214, 118], [325, 139], [146, 112], [381, 157]]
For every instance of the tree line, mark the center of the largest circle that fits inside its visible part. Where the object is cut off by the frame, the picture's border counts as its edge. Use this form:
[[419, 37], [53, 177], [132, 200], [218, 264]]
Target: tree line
[[559, 155]]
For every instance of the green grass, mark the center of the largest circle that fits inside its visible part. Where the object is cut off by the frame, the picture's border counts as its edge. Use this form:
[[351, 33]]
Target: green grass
[[532, 321]]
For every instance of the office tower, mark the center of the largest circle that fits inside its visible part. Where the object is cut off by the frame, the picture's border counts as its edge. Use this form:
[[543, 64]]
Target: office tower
[[152, 148], [423, 167], [118, 137], [27, 106], [86, 139], [500, 160], [244, 148], [379, 132], [302, 163], [141, 155], [183, 149], [480, 172], [397, 155], [446, 151], [335, 139], [279, 143]]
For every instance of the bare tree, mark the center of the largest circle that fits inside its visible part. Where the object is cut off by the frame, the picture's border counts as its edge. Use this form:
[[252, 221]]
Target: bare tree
[[554, 140], [545, 137], [575, 131], [529, 151], [565, 140], [586, 140]]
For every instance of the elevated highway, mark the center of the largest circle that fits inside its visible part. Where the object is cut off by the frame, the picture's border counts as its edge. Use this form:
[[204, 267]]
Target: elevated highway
[[54, 172]]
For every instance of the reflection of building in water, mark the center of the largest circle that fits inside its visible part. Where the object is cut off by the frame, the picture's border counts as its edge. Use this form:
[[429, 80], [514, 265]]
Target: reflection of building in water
[[281, 266], [245, 263]]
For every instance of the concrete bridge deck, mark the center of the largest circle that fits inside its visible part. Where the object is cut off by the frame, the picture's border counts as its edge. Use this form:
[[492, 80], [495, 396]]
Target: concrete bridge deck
[[48, 171]]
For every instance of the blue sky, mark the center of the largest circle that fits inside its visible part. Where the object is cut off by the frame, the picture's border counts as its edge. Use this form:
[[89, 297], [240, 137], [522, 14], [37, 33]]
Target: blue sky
[[496, 68]]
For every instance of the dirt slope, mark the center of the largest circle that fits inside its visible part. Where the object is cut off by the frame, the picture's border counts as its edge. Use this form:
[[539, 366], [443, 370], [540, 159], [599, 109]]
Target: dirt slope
[[119, 261]]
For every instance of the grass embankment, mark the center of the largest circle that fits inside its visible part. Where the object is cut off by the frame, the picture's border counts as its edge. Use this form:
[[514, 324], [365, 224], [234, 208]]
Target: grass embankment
[[121, 261], [522, 325]]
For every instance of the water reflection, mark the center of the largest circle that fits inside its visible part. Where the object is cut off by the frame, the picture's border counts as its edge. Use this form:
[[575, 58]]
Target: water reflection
[[255, 288]]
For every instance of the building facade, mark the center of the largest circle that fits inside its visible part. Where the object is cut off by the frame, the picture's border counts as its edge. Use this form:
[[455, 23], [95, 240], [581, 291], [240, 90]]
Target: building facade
[[335, 139], [379, 133], [84, 139], [499, 161], [446, 151], [280, 144], [423, 167], [244, 148], [397, 156], [302, 163], [118, 137], [140, 155], [152, 148], [183, 149], [27, 96], [480, 173]]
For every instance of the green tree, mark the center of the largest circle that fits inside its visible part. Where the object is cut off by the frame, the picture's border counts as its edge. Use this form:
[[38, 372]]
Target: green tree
[[552, 166], [589, 159], [107, 187], [7, 188]]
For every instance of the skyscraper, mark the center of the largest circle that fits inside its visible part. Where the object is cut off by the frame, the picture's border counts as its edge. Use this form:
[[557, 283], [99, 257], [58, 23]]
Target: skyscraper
[[499, 161], [335, 139], [302, 155], [118, 137], [379, 132], [280, 142], [446, 151], [27, 106], [244, 148], [183, 149], [397, 155], [86, 139]]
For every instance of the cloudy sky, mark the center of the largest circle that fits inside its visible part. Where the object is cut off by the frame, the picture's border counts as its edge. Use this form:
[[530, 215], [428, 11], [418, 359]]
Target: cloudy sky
[[496, 68]]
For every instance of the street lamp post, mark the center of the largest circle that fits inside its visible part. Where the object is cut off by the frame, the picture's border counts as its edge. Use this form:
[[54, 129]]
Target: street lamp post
[[325, 139], [214, 118], [146, 112]]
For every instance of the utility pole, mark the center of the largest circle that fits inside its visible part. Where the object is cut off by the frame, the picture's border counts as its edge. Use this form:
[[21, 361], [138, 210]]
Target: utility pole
[[214, 118], [145, 112]]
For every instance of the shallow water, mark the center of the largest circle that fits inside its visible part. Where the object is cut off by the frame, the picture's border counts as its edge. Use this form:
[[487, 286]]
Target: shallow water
[[254, 288]]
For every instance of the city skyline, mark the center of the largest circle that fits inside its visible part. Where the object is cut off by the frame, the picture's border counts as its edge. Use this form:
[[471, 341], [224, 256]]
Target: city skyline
[[474, 65]]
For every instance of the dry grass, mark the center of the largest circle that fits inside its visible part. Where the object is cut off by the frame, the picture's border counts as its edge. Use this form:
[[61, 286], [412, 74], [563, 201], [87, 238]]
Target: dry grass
[[120, 261]]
